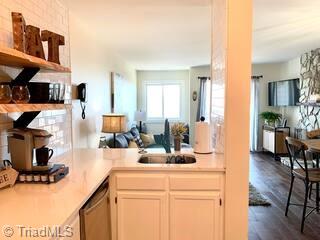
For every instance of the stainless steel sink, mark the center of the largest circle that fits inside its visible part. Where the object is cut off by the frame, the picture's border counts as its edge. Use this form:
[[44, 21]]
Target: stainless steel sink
[[166, 159]]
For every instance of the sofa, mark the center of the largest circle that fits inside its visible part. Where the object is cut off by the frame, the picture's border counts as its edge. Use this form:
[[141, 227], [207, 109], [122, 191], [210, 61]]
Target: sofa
[[134, 139]]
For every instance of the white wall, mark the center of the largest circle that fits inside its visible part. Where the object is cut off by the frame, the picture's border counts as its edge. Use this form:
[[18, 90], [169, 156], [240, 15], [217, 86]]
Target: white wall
[[179, 75], [92, 63], [274, 72], [195, 72], [125, 93]]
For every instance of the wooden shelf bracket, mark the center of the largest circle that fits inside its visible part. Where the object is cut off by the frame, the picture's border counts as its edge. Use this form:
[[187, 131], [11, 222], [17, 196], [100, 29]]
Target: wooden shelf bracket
[[22, 79], [25, 119], [25, 76]]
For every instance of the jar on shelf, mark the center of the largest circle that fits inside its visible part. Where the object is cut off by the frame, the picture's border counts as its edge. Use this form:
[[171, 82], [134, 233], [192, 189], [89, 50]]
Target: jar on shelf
[[62, 93], [5, 93], [20, 94], [56, 92]]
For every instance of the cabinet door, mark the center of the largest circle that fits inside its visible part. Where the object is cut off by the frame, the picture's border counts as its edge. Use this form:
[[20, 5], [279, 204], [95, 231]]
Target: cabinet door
[[266, 140], [195, 216], [271, 142], [142, 215]]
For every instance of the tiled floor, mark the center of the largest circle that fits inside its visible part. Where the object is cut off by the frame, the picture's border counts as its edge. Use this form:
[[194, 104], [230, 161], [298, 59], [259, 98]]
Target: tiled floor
[[271, 178]]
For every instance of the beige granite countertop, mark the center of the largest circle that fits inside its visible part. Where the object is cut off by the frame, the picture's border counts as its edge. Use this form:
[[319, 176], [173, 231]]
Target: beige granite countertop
[[36, 205]]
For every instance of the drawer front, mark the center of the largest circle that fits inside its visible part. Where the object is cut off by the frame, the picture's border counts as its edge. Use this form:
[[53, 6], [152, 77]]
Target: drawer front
[[141, 181], [195, 182]]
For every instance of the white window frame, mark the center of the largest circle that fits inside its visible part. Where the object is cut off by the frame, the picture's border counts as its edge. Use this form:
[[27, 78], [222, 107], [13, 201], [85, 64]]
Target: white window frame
[[181, 83]]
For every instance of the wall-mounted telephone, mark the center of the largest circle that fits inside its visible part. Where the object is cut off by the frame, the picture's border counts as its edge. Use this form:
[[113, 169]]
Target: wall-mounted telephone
[[82, 92], [82, 96]]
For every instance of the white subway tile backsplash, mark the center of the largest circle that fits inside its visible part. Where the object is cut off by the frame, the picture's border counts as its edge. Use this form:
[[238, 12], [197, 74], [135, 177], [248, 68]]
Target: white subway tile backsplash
[[4, 153], [218, 73], [14, 116], [51, 121], [55, 128], [3, 140], [42, 122], [48, 128], [47, 113], [47, 15], [60, 135]]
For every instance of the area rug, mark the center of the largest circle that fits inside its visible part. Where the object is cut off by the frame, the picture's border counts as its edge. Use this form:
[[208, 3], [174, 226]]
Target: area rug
[[256, 198]]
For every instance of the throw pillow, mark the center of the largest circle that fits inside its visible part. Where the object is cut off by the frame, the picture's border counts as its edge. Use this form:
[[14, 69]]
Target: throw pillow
[[121, 142], [138, 141], [132, 144], [128, 136], [147, 139], [135, 132]]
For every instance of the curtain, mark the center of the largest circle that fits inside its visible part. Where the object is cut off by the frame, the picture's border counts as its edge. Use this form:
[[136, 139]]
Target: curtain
[[203, 98], [254, 114]]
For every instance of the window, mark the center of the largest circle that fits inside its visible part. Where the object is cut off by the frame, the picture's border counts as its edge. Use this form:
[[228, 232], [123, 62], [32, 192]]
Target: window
[[163, 101]]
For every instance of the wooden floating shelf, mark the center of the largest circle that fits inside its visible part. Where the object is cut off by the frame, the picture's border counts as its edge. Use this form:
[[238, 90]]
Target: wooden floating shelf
[[13, 58], [30, 107]]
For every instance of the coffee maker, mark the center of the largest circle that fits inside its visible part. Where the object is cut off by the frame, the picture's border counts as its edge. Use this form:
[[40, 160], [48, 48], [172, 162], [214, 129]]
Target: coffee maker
[[22, 143]]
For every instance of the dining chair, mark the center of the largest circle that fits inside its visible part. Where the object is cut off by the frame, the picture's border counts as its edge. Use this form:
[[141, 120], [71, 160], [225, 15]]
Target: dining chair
[[297, 151], [315, 153], [313, 134]]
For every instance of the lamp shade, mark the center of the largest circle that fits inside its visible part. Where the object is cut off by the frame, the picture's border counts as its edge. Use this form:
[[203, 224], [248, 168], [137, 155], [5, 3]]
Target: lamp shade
[[140, 116], [114, 123]]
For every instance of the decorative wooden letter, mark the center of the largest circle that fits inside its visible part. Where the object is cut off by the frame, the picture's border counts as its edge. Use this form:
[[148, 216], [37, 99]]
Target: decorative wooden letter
[[54, 41], [33, 42], [8, 177], [19, 27], [27, 39]]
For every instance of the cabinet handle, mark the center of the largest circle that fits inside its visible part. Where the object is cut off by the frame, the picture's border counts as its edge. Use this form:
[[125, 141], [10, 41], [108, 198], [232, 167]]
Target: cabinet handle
[[116, 200]]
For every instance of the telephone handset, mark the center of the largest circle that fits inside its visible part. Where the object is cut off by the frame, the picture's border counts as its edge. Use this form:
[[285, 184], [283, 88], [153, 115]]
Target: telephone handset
[[82, 92], [82, 96]]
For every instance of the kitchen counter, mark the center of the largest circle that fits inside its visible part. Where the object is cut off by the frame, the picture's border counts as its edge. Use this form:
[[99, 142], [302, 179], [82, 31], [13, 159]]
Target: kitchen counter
[[38, 205]]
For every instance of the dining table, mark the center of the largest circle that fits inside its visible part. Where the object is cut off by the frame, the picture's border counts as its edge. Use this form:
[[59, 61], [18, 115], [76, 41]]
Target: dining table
[[314, 147]]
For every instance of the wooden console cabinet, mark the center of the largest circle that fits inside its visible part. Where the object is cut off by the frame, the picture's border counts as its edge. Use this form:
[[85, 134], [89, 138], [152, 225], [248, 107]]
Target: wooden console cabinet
[[274, 140]]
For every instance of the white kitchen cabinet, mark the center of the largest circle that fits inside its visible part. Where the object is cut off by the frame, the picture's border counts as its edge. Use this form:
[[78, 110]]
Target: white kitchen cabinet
[[167, 205], [195, 215], [141, 215]]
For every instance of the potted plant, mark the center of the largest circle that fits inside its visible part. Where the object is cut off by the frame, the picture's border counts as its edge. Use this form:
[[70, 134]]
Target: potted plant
[[177, 130], [270, 117]]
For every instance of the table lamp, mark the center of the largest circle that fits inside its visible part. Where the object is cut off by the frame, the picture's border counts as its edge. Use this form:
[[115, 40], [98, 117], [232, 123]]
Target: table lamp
[[114, 123], [140, 116]]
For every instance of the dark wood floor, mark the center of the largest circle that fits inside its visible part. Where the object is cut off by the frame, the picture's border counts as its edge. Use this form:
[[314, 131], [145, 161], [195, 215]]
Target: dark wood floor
[[272, 179]]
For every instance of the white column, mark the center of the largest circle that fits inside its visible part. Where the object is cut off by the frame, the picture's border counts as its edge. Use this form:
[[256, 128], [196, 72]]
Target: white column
[[231, 71]]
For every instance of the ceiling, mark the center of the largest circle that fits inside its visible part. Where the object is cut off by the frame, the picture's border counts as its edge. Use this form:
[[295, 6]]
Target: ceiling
[[159, 34], [284, 29], [175, 34]]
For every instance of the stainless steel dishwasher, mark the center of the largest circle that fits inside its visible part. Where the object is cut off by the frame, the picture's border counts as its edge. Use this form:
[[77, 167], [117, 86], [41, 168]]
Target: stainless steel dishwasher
[[95, 219]]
